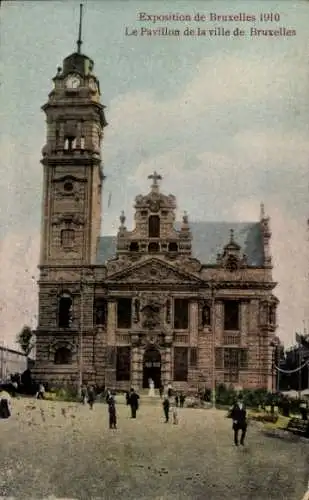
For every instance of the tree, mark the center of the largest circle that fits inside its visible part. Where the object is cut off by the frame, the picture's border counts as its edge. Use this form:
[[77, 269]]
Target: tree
[[26, 339]]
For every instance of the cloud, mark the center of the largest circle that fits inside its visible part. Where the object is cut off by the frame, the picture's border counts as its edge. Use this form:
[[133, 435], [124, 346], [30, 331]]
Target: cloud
[[19, 257], [219, 83]]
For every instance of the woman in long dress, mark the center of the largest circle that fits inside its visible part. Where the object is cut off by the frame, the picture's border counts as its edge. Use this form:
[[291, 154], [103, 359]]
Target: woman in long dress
[[5, 404]]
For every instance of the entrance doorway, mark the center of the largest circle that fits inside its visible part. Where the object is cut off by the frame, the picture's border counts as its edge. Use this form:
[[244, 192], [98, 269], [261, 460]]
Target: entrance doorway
[[152, 367]]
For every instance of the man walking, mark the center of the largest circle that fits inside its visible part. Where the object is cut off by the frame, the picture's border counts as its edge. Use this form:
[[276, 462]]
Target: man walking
[[112, 413], [133, 401], [239, 416], [91, 397], [166, 408]]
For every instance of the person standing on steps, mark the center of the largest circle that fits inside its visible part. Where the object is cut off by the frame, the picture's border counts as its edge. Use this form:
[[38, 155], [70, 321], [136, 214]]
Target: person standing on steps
[[166, 408], [133, 401], [239, 416]]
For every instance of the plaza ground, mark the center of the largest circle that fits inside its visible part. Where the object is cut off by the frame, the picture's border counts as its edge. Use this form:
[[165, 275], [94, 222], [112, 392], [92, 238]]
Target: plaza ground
[[66, 451]]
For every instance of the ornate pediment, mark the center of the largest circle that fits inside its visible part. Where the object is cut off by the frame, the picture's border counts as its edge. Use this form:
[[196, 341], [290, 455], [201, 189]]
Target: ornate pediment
[[154, 270]]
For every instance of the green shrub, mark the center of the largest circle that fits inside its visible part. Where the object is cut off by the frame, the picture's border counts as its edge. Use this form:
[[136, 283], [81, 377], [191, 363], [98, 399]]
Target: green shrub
[[61, 394], [265, 417]]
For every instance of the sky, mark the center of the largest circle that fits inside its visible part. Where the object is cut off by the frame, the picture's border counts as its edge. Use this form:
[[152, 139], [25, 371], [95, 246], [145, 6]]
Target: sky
[[223, 119]]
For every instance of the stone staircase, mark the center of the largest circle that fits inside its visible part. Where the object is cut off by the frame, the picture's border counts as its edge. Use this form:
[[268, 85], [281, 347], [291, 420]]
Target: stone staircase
[[149, 400]]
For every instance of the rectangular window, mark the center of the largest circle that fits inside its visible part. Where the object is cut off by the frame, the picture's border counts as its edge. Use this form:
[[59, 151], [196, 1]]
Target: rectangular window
[[193, 357], [181, 314], [231, 315], [180, 364], [123, 364], [231, 359], [67, 237], [154, 226], [124, 313], [243, 361], [219, 358]]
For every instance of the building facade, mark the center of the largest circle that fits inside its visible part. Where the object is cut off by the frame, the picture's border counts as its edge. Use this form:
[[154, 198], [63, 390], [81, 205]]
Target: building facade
[[12, 362], [187, 303]]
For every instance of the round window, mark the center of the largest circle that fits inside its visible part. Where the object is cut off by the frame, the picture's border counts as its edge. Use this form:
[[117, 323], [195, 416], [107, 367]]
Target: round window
[[68, 186]]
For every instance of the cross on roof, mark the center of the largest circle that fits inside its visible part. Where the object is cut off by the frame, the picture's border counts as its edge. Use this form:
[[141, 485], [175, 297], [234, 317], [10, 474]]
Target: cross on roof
[[155, 177]]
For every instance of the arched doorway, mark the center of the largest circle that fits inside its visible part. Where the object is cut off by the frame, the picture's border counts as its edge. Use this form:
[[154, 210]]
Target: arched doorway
[[152, 367]]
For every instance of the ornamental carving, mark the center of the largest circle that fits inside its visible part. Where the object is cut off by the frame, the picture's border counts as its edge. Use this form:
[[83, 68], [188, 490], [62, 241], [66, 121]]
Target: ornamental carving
[[153, 272], [55, 344], [150, 314], [149, 339], [76, 219], [117, 264]]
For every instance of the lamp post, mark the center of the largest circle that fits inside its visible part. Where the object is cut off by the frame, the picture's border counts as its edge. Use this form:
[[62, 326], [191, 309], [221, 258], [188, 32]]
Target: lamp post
[[213, 332], [274, 371], [80, 342]]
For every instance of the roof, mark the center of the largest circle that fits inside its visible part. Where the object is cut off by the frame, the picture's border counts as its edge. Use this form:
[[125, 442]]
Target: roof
[[208, 239]]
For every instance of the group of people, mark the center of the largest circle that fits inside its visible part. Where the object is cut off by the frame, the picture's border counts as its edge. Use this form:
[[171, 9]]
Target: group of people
[[88, 395], [132, 399]]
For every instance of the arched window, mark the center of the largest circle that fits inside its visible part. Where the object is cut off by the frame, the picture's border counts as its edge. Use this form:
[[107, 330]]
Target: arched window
[[82, 142], [134, 247], [69, 143], [67, 237], [65, 311], [63, 356], [154, 226], [153, 247], [172, 247]]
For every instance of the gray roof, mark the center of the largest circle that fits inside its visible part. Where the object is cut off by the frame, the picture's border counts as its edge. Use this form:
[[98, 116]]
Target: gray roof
[[208, 239]]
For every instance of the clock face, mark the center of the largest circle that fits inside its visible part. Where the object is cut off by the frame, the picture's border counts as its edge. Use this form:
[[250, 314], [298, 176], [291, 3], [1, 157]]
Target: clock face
[[73, 82], [93, 85]]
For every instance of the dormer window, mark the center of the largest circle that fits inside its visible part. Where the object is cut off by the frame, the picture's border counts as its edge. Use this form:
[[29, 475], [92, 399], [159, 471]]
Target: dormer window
[[153, 247], [134, 246], [173, 247], [154, 226]]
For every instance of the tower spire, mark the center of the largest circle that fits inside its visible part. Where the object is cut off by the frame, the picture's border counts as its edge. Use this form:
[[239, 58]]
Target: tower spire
[[79, 41]]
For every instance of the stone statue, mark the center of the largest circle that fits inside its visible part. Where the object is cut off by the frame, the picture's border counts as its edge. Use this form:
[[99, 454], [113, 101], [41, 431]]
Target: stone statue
[[151, 388], [206, 316], [136, 310]]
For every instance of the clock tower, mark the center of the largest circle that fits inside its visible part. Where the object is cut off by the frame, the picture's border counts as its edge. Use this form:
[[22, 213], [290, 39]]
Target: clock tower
[[71, 220], [73, 173]]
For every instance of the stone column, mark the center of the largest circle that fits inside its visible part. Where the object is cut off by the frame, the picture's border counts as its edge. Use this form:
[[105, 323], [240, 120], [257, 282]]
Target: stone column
[[168, 376], [219, 322], [244, 306], [111, 323], [194, 320], [135, 367]]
